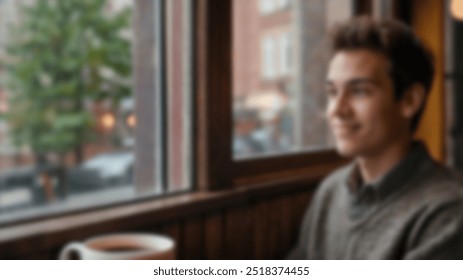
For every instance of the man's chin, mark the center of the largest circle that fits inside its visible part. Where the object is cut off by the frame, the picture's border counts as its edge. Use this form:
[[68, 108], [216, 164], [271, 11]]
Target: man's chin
[[346, 150]]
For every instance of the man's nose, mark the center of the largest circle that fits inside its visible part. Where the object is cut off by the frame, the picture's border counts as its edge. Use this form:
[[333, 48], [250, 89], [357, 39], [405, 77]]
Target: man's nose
[[339, 106]]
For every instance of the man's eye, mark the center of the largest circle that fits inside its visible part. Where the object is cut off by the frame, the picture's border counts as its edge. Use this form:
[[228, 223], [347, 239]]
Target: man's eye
[[360, 91]]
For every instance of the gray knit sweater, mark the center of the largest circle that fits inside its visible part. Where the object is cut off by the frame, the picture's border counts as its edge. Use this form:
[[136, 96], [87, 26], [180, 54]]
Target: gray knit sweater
[[415, 211]]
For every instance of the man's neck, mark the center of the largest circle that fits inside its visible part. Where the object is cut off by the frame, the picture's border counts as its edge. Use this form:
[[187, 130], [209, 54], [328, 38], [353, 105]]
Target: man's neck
[[375, 166]]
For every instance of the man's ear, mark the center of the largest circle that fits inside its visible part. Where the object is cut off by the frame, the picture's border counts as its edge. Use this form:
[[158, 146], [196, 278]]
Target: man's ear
[[412, 101]]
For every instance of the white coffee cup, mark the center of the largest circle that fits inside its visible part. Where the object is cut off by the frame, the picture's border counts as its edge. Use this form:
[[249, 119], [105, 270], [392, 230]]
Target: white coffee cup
[[126, 246]]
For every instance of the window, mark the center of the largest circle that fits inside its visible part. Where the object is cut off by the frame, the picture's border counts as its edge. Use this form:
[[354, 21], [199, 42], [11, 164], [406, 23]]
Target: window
[[282, 116], [95, 102], [268, 58], [175, 107], [285, 53], [267, 6]]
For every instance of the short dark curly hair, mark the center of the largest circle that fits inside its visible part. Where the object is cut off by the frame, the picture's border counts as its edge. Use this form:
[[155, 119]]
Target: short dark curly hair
[[411, 61]]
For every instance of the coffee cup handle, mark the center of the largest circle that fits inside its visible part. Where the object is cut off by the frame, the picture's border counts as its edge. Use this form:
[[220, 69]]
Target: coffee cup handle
[[73, 251]]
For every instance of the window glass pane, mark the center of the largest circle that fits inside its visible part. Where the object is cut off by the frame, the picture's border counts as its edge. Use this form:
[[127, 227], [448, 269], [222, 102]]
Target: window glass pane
[[83, 97], [278, 75], [267, 6]]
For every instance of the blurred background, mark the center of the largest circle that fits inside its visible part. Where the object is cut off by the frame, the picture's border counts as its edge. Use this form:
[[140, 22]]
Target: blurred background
[[67, 113], [67, 92]]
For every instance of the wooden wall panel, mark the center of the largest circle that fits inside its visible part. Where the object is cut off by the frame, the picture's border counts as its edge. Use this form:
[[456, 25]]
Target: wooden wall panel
[[42, 256], [239, 226], [273, 219], [192, 236], [281, 225], [214, 236], [261, 230]]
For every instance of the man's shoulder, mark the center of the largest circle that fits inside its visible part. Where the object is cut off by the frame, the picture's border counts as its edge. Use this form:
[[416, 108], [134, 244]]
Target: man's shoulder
[[442, 184], [436, 203], [432, 188], [336, 178]]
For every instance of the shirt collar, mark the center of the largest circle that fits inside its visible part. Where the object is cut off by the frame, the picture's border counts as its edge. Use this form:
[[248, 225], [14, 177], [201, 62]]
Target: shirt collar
[[392, 180]]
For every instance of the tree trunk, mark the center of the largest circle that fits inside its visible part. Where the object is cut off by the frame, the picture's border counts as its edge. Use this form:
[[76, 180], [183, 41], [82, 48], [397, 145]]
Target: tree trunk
[[78, 154], [62, 177]]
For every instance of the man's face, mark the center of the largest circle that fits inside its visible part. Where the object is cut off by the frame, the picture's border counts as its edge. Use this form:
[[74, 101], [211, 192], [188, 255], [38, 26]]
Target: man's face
[[362, 112]]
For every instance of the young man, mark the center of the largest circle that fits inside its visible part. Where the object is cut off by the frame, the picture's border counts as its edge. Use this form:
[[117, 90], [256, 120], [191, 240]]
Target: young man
[[393, 201]]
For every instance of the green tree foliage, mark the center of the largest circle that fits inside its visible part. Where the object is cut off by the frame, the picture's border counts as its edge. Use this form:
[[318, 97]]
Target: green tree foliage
[[65, 55]]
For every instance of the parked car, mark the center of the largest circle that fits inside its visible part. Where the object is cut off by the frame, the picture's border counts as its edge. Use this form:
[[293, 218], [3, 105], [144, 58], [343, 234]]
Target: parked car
[[106, 170]]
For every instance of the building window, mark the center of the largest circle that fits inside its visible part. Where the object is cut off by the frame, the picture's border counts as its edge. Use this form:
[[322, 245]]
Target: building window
[[267, 6], [285, 54], [269, 69]]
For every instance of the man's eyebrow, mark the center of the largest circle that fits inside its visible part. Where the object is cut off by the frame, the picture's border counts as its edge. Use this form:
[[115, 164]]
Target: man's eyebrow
[[354, 82]]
